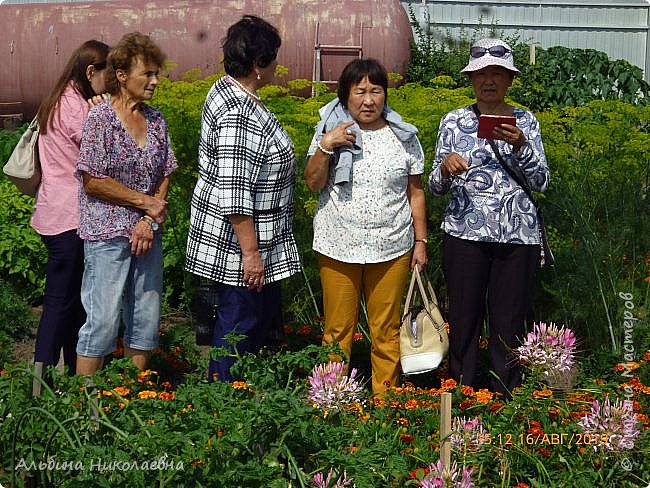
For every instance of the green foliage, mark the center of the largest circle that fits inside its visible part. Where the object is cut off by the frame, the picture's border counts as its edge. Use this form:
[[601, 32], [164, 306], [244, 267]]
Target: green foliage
[[438, 53], [262, 430], [561, 76], [597, 209], [22, 254], [16, 320]]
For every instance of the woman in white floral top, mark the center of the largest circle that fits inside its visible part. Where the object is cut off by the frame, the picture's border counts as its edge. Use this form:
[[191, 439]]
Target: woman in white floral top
[[370, 225], [491, 236]]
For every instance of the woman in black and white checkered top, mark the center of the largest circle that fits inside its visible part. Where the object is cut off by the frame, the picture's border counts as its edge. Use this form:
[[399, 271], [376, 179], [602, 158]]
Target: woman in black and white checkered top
[[240, 232]]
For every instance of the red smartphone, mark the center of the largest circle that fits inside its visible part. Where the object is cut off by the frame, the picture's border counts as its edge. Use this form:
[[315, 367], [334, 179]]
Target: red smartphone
[[487, 123]]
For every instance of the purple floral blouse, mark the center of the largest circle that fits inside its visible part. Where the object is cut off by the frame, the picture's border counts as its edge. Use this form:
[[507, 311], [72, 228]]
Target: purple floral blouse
[[109, 151]]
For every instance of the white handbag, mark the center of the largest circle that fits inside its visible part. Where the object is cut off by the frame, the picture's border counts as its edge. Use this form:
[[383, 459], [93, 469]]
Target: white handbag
[[423, 335], [23, 167]]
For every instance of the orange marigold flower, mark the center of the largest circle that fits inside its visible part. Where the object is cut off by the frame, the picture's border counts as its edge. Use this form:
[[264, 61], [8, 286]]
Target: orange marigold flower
[[448, 384], [305, 330], [107, 393], [408, 438], [642, 418], [167, 384], [395, 404], [122, 390], [402, 421], [545, 393], [599, 381], [467, 403], [467, 390], [358, 336], [143, 375], [578, 415], [521, 484], [239, 385], [553, 413], [535, 428], [287, 329], [483, 396], [363, 416], [545, 452], [646, 356], [379, 401], [418, 473], [636, 382], [619, 367], [106, 409], [147, 394], [354, 449], [496, 407], [4, 372], [411, 404], [166, 395]]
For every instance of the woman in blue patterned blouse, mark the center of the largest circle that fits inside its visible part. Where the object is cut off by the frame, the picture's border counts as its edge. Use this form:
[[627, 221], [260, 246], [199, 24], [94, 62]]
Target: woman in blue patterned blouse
[[491, 241], [240, 232]]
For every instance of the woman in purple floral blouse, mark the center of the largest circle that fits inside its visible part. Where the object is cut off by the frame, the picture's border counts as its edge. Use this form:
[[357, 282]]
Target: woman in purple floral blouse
[[124, 166]]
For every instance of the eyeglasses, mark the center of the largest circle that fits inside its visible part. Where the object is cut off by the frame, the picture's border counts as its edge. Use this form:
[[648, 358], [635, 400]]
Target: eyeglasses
[[496, 51]]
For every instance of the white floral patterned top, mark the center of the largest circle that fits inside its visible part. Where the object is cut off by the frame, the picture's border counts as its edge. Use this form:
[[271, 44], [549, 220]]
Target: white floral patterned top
[[368, 220]]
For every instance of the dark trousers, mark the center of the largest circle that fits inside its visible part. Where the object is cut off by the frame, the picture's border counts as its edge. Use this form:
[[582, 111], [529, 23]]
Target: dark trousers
[[502, 275], [63, 313], [246, 312]]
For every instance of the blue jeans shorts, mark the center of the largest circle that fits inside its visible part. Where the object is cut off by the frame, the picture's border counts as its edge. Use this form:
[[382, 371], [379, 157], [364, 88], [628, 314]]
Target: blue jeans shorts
[[114, 279]]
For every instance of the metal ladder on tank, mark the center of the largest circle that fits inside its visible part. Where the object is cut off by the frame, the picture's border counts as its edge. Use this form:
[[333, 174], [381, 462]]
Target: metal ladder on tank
[[323, 49]]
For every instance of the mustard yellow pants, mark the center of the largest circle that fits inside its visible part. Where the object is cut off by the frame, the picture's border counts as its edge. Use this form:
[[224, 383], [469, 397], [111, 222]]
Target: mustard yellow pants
[[383, 287]]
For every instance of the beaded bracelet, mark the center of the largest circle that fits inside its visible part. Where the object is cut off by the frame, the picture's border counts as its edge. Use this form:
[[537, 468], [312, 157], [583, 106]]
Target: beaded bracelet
[[329, 153]]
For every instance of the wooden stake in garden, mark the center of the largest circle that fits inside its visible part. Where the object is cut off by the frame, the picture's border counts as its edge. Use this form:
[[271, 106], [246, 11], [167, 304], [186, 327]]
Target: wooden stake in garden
[[36, 382], [445, 429]]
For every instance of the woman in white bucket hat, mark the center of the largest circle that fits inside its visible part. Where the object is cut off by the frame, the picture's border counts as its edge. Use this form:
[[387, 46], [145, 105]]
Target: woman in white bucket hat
[[491, 243]]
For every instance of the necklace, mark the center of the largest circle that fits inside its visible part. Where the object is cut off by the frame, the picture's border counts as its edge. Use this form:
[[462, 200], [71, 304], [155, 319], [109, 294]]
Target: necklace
[[244, 89]]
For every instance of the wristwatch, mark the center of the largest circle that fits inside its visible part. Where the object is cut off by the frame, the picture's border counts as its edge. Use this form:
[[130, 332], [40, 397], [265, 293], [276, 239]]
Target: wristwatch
[[154, 225]]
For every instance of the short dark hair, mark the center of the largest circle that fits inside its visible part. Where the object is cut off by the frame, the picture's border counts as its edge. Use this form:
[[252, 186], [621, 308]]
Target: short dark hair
[[124, 55], [250, 41], [357, 70]]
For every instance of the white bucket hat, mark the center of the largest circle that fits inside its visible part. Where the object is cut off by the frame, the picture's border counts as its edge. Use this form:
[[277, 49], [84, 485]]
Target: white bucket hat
[[489, 58]]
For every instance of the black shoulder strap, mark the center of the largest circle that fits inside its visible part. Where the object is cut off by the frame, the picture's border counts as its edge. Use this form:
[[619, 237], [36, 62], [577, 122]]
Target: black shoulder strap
[[505, 166]]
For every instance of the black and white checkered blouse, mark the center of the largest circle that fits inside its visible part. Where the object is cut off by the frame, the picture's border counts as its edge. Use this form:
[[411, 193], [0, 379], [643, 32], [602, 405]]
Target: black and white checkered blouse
[[247, 167]]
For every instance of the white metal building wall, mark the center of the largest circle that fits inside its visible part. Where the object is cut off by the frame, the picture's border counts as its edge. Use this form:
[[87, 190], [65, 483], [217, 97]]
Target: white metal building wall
[[618, 28]]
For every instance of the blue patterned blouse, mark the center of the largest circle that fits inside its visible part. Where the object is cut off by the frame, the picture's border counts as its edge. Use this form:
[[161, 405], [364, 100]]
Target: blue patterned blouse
[[486, 203]]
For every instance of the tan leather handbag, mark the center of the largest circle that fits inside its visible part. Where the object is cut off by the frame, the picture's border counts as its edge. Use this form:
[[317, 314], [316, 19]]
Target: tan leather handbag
[[423, 336]]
